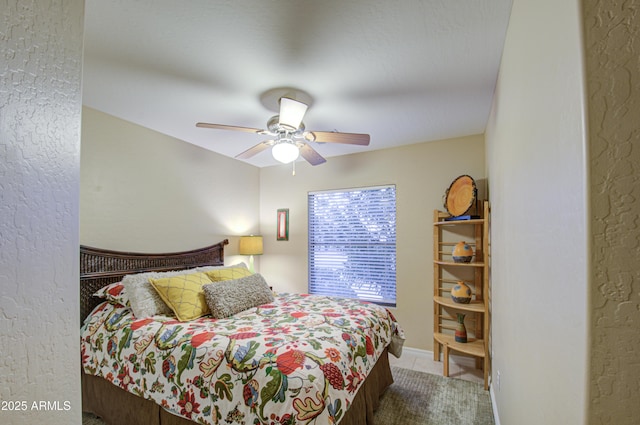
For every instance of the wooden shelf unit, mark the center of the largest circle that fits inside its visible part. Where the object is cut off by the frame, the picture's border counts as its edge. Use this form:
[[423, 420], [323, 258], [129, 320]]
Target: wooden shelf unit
[[446, 273]]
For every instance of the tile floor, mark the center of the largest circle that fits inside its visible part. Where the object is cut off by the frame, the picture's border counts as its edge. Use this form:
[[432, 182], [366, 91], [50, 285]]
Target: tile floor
[[459, 367]]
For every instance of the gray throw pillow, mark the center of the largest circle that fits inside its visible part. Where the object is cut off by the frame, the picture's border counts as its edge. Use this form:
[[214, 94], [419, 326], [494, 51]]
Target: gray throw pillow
[[229, 297]]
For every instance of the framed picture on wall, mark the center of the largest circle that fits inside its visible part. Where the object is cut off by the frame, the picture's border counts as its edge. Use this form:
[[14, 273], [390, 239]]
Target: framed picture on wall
[[282, 231]]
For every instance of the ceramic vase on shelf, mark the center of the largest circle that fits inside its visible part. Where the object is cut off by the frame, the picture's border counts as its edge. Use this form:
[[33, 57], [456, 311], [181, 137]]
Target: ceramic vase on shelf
[[461, 293], [462, 252], [461, 331]]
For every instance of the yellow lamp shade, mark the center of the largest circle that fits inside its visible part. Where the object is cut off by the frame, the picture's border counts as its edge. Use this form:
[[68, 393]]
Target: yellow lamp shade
[[250, 245]]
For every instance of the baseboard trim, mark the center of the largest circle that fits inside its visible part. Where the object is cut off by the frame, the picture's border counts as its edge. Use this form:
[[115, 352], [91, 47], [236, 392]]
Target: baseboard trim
[[417, 352], [494, 406]]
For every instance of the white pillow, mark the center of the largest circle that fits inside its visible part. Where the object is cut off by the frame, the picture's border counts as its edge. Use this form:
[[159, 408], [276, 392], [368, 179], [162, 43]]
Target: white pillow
[[145, 300]]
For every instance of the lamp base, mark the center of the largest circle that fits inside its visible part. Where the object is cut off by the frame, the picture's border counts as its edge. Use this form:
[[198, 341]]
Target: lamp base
[[251, 268]]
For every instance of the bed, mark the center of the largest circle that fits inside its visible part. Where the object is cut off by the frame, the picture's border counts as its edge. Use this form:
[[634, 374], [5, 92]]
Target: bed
[[294, 359]]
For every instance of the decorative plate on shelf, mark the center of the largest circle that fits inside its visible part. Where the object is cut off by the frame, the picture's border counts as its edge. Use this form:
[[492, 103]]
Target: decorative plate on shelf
[[461, 195]]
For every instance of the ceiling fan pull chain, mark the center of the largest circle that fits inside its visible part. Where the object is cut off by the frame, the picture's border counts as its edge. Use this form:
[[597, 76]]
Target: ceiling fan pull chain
[[293, 173]]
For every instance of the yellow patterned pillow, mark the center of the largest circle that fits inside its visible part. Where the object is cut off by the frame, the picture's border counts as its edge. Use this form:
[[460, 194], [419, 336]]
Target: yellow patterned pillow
[[184, 294], [228, 274]]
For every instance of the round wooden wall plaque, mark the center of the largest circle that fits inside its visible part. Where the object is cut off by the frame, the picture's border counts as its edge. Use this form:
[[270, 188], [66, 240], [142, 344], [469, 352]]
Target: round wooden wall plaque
[[460, 196]]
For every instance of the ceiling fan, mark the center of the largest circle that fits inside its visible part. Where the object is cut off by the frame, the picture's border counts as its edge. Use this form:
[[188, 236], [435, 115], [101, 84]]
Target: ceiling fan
[[288, 137]]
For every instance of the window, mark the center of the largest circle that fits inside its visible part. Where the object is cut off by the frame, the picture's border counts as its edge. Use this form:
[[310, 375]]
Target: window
[[352, 244]]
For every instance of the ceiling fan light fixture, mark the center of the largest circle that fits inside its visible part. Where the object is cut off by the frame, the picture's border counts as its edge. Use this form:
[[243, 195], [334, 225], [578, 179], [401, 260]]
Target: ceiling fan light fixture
[[291, 113], [285, 152]]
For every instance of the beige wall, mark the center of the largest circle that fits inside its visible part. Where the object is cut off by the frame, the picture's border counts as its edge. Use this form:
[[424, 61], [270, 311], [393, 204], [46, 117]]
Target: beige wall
[[536, 164], [421, 173], [40, 107], [611, 35], [147, 192]]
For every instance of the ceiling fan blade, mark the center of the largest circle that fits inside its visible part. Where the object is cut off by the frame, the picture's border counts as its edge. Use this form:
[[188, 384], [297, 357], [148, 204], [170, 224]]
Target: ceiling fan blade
[[336, 137], [229, 127], [255, 150], [312, 157], [291, 113]]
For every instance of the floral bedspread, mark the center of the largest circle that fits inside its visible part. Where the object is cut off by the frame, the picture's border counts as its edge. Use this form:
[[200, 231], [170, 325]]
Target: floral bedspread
[[299, 360]]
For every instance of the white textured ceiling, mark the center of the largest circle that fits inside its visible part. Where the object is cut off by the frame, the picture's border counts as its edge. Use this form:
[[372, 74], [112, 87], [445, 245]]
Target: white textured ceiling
[[404, 71]]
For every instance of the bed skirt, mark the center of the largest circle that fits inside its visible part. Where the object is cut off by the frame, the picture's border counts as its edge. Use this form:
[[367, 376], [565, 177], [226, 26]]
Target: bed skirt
[[118, 407]]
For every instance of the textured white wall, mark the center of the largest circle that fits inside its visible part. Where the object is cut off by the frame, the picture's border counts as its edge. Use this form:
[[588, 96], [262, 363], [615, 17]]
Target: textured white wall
[[612, 33], [40, 107], [536, 166]]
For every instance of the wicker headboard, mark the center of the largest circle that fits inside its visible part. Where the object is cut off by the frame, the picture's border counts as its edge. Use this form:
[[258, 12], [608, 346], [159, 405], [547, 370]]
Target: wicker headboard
[[100, 267]]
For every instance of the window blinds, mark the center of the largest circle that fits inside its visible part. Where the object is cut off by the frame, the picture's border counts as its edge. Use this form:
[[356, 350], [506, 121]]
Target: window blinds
[[352, 243]]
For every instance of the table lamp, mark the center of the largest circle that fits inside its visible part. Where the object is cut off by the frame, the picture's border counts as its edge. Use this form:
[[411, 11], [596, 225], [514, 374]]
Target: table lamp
[[251, 245]]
